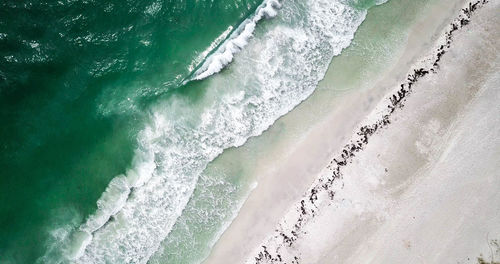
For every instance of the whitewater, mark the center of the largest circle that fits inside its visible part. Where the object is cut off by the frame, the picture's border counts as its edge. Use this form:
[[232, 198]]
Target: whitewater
[[269, 68]]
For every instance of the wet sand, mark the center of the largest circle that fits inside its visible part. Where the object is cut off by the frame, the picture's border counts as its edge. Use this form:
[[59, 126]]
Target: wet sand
[[372, 202]]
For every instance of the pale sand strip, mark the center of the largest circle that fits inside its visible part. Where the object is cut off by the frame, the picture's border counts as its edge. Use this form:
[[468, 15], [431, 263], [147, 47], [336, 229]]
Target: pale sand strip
[[425, 189], [305, 159], [284, 175]]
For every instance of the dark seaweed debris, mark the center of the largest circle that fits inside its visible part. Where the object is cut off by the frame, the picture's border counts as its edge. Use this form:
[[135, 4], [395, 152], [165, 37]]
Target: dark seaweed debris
[[365, 132]]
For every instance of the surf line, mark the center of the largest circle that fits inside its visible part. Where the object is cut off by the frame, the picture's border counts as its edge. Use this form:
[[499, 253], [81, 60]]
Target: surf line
[[235, 43], [120, 189]]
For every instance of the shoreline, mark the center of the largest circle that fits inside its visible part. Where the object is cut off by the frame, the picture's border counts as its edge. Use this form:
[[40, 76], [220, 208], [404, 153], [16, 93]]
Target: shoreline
[[296, 165], [281, 247]]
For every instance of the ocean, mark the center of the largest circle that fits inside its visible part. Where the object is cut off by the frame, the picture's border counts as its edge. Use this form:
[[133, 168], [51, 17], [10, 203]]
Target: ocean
[[114, 114]]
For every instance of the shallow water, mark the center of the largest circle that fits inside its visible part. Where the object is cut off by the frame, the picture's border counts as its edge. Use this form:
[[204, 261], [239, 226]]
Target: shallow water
[[92, 91], [76, 79], [372, 52]]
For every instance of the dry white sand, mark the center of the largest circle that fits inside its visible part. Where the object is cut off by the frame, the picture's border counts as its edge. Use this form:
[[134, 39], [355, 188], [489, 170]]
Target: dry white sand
[[438, 199], [427, 188]]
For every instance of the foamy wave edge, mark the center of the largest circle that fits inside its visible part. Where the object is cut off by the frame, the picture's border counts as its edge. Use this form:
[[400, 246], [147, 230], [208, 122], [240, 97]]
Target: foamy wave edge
[[111, 202], [224, 55], [114, 198], [116, 194]]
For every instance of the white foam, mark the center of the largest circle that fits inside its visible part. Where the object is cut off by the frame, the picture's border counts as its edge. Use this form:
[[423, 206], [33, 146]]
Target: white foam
[[80, 241], [210, 48], [237, 41], [181, 138], [143, 169]]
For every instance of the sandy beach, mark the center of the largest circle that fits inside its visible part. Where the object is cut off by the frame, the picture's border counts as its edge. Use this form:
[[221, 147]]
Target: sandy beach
[[422, 189], [250, 131]]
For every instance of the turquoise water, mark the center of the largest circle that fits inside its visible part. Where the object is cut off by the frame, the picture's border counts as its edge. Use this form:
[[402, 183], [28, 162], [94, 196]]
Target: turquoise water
[[106, 132], [67, 71]]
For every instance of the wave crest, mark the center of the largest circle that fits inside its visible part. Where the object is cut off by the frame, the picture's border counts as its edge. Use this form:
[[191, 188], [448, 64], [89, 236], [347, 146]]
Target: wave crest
[[237, 41]]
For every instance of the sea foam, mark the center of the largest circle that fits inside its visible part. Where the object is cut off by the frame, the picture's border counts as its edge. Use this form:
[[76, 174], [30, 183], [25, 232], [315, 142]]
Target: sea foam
[[237, 41], [138, 210]]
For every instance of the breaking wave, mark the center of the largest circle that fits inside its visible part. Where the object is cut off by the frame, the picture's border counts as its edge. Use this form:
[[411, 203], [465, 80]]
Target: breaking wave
[[237, 41], [286, 61]]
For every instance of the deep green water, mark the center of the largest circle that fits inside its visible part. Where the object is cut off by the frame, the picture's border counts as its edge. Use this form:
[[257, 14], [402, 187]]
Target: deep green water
[[67, 69], [94, 89]]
